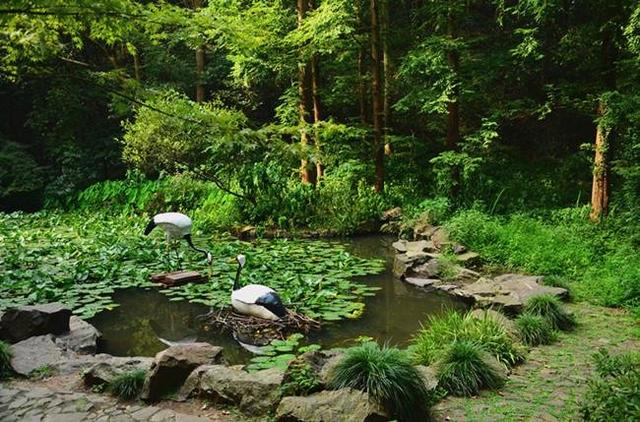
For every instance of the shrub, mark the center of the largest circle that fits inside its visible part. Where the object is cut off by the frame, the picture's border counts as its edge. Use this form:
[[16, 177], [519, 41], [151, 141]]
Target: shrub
[[5, 360], [466, 367], [486, 331], [128, 385], [387, 375], [550, 308], [613, 394], [534, 329], [301, 380]]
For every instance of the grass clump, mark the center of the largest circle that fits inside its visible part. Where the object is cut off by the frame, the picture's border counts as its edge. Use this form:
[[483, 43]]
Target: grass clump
[[300, 379], [389, 378], [534, 329], [429, 344], [128, 385], [550, 308], [466, 367], [5, 360], [614, 393]]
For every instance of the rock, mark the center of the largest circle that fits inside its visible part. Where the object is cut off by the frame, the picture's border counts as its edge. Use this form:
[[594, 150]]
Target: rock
[[172, 366], [421, 282], [423, 230], [525, 286], [391, 214], [82, 336], [107, 367], [254, 393], [400, 246], [459, 249], [466, 276], [36, 352], [429, 269], [17, 324], [402, 262], [429, 376], [468, 258], [335, 406], [440, 237]]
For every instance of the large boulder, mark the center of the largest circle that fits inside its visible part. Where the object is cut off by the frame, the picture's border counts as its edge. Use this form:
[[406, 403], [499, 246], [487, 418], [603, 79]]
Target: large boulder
[[36, 353], [254, 393], [172, 366], [102, 368], [335, 406], [526, 286], [17, 324], [82, 336]]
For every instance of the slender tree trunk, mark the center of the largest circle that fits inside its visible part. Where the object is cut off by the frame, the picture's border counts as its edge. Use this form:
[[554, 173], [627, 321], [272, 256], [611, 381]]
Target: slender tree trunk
[[200, 62], [386, 64], [453, 108], [307, 172], [362, 69], [317, 114], [136, 66], [378, 102], [600, 186]]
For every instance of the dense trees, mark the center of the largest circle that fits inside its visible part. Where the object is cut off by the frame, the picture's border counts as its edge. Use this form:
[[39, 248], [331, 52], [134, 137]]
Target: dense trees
[[516, 104]]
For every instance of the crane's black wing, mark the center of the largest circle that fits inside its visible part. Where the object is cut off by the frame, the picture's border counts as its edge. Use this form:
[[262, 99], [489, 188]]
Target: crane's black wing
[[273, 303]]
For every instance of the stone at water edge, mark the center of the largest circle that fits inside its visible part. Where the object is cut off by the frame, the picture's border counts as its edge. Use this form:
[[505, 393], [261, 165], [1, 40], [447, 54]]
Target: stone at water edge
[[106, 368], [421, 282], [526, 286], [429, 269], [36, 352], [391, 214], [468, 258], [254, 393], [172, 366], [82, 336], [345, 405], [17, 324]]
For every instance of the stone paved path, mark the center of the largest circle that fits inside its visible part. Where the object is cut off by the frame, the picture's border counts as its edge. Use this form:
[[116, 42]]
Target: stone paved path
[[37, 404]]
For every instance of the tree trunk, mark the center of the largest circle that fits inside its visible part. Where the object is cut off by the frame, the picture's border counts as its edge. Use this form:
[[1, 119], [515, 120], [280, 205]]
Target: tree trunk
[[377, 100], [200, 60], [453, 108], [317, 115], [600, 186], [307, 172], [386, 64], [136, 66]]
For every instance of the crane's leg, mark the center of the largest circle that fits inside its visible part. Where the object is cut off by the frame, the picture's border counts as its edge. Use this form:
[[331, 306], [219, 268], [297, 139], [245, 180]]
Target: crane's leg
[[178, 256], [168, 254]]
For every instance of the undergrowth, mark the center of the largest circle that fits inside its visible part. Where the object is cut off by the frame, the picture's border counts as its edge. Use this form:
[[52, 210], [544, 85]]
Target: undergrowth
[[5, 360], [128, 385]]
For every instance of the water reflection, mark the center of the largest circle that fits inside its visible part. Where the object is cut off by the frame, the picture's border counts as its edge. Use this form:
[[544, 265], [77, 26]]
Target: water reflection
[[393, 315]]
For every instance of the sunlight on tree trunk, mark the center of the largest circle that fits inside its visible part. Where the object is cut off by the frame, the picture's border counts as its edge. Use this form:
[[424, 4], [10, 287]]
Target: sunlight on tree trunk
[[317, 114], [386, 63], [307, 172], [600, 186]]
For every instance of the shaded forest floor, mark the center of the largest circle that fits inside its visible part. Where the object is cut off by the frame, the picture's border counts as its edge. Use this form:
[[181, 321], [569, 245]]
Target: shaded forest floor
[[551, 383]]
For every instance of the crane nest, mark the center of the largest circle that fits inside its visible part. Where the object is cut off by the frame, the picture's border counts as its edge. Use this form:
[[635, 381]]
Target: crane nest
[[257, 331]]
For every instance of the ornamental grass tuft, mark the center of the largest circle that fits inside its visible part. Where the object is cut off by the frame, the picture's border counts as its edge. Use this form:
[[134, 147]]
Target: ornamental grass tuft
[[5, 360], [387, 375], [550, 308], [466, 367], [128, 386], [534, 329]]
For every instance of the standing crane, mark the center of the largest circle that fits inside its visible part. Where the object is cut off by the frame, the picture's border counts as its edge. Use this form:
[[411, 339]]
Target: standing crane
[[176, 226]]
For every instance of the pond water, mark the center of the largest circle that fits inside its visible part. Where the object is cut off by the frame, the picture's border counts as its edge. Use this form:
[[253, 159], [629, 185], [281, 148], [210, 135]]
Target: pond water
[[393, 315]]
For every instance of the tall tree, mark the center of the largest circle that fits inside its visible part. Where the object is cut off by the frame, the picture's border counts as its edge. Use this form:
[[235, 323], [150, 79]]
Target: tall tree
[[377, 95], [307, 171]]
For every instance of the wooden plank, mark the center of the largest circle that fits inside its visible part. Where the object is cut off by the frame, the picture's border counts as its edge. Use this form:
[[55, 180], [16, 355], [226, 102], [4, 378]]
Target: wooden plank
[[177, 278]]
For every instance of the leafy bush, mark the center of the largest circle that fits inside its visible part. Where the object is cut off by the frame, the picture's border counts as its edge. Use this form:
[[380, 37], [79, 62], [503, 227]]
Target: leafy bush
[[614, 394], [388, 376], [466, 367], [550, 308], [300, 379], [427, 346], [534, 329], [128, 385], [5, 360]]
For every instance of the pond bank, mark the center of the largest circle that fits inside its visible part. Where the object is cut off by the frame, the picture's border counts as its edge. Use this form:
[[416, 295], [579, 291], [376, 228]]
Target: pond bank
[[550, 384]]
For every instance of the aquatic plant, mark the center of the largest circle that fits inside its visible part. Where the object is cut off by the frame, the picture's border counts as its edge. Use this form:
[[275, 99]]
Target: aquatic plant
[[387, 375], [534, 329], [80, 258], [279, 353], [466, 367], [428, 346], [550, 308], [128, 385], [614, 393], [5, 360]]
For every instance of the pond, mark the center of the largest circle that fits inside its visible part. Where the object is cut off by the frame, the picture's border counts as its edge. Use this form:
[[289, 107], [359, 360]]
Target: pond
[[393, 315]]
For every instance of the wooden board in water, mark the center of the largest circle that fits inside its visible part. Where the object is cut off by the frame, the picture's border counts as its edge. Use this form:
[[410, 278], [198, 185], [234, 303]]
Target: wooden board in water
[[177, 278]]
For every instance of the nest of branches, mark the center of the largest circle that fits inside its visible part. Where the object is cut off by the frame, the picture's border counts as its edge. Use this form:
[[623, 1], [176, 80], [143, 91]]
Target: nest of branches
[[257, 331]]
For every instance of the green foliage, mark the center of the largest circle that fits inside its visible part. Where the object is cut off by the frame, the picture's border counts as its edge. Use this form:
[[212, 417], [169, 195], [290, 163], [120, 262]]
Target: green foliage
[[466, 367], [19, 172], [301, 379], [534, 329], [614, 394], [128, 385], [42, 372], [387, 375], [280, 353], [5, 360], [550, 308], [428, 344], [81, 258]]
